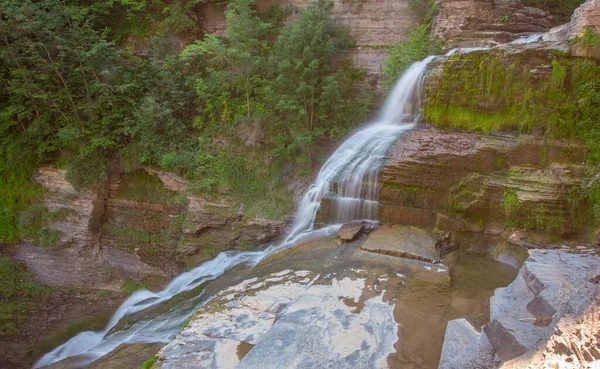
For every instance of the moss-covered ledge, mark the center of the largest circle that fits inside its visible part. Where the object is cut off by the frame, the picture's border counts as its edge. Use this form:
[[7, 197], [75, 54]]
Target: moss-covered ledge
[[534, 90], [540, 91]]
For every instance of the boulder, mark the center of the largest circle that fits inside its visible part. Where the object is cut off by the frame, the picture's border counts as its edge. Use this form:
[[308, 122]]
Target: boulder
[[465, 348], [350, 231]]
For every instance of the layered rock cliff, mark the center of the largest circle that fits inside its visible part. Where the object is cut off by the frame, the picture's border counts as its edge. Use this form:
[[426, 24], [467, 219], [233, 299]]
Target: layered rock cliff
[[470, 23], [142, 224], [372, 24]]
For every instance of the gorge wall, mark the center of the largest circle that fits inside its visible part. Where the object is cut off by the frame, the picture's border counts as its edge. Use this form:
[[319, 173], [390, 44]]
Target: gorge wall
[[147, 227], [373, 25], [143, 225]]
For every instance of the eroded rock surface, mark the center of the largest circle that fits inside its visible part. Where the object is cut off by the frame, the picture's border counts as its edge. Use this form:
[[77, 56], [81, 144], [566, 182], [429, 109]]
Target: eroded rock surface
[[430, 171], [546, 306], [292, 319], [469, 23]]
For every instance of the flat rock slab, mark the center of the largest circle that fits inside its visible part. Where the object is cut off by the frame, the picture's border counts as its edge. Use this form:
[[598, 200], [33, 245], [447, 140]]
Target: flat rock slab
[[402, 241], [289, 319]]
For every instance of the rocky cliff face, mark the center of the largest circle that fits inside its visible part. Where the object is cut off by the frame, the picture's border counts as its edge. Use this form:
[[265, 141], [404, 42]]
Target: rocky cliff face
[[585, 18], [469, 23], [143, 224], [372, 24], [460, 181]]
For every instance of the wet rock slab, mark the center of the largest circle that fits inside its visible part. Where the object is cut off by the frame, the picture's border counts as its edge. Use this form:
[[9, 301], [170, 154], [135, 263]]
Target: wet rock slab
[[553, 286], [402, 241], [292, 319]]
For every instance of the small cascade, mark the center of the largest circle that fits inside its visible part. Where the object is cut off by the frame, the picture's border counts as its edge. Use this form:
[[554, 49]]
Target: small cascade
[[349, 178], [528, 39]]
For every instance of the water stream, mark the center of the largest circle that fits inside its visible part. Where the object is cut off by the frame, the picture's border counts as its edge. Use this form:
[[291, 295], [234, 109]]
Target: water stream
[[350, 177]]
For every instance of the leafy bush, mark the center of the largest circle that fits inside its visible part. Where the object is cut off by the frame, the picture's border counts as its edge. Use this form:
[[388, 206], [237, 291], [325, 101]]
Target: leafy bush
[[418, 45], [142, 186]]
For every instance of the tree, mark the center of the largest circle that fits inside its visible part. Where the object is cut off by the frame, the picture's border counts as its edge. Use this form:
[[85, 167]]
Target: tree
[[233, 63]]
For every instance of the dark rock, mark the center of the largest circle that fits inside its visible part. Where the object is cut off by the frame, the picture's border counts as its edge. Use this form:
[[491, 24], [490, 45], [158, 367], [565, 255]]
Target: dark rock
[[350, 231], [505, 344], [541, 310], [444, 245]]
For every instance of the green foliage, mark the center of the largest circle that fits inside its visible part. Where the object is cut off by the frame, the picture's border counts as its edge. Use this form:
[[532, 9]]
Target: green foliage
[[17, 191], [142, 186], [419, 42], [489, 91], [563, 9], [18, 291], [87, 171], [424, 10], [522, 216], [148, 363], [590, 39], [594, 199], [229, 114], [129, 286], [269, 92]]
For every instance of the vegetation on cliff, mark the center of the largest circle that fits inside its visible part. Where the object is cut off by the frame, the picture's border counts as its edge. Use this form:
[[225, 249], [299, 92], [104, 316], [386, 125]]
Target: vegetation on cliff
[[419, 42], [547, 92], [231, 114], [17, 291], [563, 9]]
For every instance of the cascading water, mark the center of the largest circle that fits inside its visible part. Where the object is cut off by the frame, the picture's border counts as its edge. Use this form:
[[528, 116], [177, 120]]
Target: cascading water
[[528, 39], [350, 176]]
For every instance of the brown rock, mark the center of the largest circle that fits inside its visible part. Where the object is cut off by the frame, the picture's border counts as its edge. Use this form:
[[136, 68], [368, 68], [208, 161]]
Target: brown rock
[[350, 231], [430, 172], [468, 23], [402, 241], [444, 245], [505, 344]]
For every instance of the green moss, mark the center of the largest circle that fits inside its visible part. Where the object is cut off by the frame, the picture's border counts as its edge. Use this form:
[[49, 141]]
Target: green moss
[[144, 187], [144, 243], [522, 216], [531, 91], [500, 162], [148, 363], [18, 293], [129, 286]]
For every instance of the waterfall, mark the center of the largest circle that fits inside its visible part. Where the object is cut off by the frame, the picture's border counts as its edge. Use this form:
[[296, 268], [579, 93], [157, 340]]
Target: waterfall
[[350, 177]]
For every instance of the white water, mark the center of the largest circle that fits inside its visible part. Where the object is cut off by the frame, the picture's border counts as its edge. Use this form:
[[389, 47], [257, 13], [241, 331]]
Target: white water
[[161, 325], [528, 39], [350, 175], [349, 178]]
